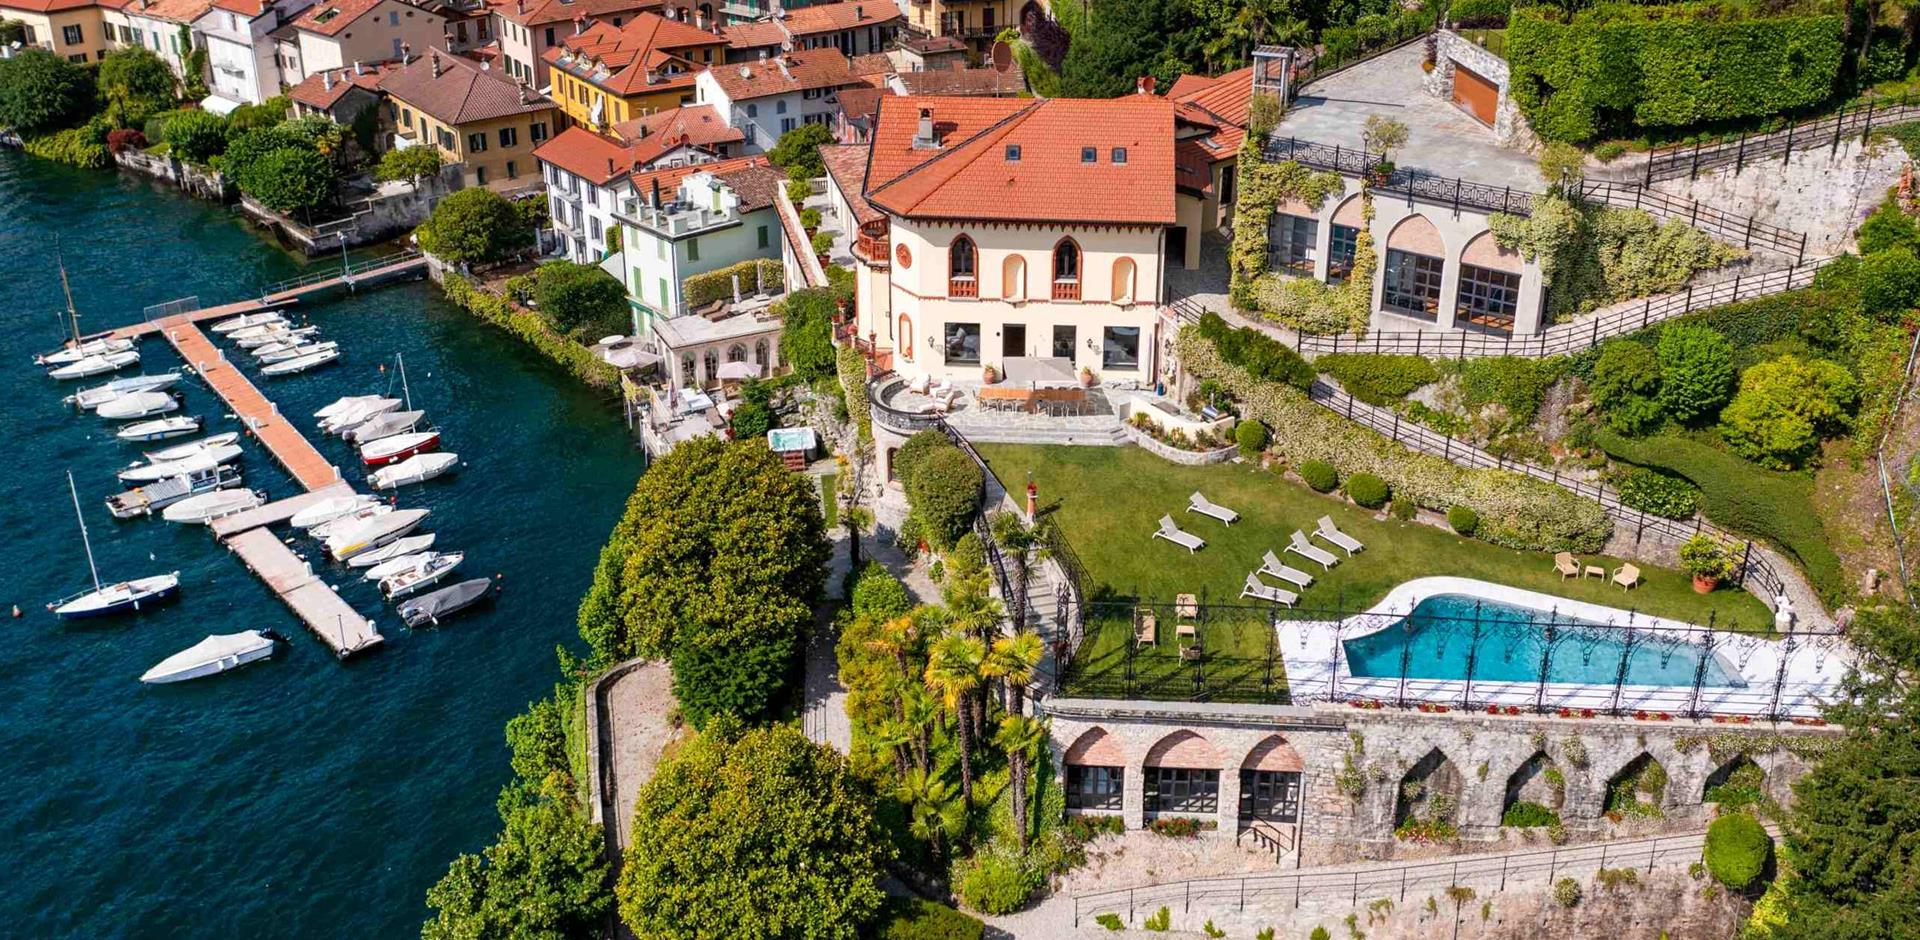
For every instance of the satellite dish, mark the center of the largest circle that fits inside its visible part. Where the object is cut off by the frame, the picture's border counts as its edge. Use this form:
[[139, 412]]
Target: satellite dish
[[1002, 57]]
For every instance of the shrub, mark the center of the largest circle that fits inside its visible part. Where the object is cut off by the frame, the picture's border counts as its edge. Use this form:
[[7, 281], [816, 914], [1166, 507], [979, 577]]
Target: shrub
[[1320, 933], [124, 139], [1263, 357], [532, 329], [1367, 490], [1696, 371], [1613, 879], [751, 420], [852, 371], [474, 226], [806, 332], [1888, 227], [1610, 151], [267, 113], [919, 919], [1662, 494], [1737, 850], [1784, 408], [1176, 827], [1251, 437], [1378, 380], [1463, 520], [1402, 509], [1320, 475], [943, 492], [1111, 922], [1745, 786], [1524, 814], [1889, 282], [75, 146], [996, 882], [879, 595], [580, 297], [907, 460], [1516, 384], [1159, 921], [42, 92], [1624, 372], [1566, 892], [755, 275]]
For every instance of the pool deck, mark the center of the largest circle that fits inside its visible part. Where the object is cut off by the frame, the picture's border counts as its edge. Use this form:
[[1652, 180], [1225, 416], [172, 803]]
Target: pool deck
[[1814, 664]]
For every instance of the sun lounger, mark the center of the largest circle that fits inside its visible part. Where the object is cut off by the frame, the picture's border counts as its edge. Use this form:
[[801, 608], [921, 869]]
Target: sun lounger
[[1274, 567], [1261, 592], [1305, 549], [1146, 629], [1202, 505], [1626, 576], [1566, 565], [1332, 533], [1172, 533]]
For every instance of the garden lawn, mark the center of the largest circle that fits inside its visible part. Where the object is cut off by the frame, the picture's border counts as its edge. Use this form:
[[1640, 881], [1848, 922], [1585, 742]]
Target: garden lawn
[[1108, 501]]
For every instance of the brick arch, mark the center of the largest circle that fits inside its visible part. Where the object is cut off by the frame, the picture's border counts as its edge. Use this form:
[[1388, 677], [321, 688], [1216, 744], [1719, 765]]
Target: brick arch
[[1350, 213], [1096, 747], [1483, 252], [1184, 749], [1417, 234], [1273, 753]]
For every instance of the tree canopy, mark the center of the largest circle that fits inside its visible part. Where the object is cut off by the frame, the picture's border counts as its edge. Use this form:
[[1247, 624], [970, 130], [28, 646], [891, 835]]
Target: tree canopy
[[806, 332], [40, 91], [580, 297], [407, 163], [474, 226], [800, 148], [135, 82], [754, 834], [291, 179], [196, 136]]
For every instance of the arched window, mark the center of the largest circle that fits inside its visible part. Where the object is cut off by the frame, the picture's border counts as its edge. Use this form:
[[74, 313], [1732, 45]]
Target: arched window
[[1066, 270], [1013, 278], [737, 352], [1123, 278], [712, 362], [687, 375], [760, 353], [962, 278]]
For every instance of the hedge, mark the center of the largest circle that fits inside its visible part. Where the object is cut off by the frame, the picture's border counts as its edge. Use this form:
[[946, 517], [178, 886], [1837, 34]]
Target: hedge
[[917, 919], [1367, 491], [1662, 494], [533, 329], [700, 290], [1737, 850], [1378, 379], [1515, 510], [1774, 507], [1617, 66]]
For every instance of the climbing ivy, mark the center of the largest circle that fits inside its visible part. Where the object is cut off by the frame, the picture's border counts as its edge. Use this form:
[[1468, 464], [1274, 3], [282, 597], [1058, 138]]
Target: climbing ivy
[[1595, 255], [1311, 306], [1262, 187]]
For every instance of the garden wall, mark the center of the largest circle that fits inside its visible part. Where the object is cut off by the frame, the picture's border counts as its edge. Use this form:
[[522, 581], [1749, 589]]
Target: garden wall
[[195, 181], [1821, 192], [1192, 458], [1510, 127]]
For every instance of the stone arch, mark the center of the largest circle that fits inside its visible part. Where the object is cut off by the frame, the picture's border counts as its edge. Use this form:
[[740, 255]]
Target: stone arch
[[1537, 780], [1638, 789], [905, 342], [1737, 783], [1013, 277], [1483, 251], [1096, 746], [1273, 753], [1183, 749], [1350, 213], [1418, 235], [1125, 274], [737, 352], [1429, 795]]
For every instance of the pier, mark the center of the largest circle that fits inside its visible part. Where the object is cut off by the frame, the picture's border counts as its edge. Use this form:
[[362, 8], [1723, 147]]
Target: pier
[[283, 294], [294, 582]]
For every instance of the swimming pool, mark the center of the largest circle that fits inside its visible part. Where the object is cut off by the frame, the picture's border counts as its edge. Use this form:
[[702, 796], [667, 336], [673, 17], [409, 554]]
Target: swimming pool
[[1434, 641]]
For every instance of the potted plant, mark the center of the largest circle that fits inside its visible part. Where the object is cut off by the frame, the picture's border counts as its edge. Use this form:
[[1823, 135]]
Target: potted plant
[[989, 374], [1382, 135], [1086, 377], [1708, 559]]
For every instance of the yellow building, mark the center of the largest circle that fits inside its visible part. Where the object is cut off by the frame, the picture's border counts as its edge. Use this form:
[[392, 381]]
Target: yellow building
[[606, 75], [974, 22], [473, 116], [72, 29]]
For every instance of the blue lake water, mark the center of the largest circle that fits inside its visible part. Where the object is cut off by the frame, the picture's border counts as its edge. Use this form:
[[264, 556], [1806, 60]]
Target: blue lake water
[[1434, 642], [300, 797]]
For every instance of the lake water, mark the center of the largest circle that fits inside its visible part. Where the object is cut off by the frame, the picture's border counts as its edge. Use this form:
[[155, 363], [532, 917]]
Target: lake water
[[300, 797]]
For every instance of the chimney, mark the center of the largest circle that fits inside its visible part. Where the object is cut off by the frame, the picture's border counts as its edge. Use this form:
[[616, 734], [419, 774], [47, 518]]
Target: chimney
[[449, 37], [1143, 85], [656, 192], [356, 67], [763, 57], [700, 19], [609, 166], [406, 53], [520, 7], [434, 54], [326, 80], [859, 12], [579, 24], [523, 94], [923, 138]]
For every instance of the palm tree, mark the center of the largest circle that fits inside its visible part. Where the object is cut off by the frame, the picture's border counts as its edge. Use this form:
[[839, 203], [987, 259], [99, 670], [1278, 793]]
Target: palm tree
[[1013, 660], [1022, 548], [897, 638], [953, 673], [897, 736], [973, 611], [934, 814], [1021, 738], [921, 712]]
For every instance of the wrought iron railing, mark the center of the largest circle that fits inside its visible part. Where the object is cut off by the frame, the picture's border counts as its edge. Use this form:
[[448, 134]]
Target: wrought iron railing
[[346, 272], [1687, 160]]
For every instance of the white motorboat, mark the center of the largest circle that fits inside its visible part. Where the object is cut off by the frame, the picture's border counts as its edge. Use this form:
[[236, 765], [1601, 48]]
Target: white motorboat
[[273, 336], [193, 448], [302, 363], [143, 500], [437, 606], [246, 321], [397, 565], [398, 447], [398, 548], [96, 365], [379, 426], [74, 352], [215, 654], [139, 405], [295, 352], [332, 507], [342, 404], [107, 599], [422, 576], [88, 399], [357, 413], [206, 507], [159, 429], [162, 469], [345, 521], [373, 533], [416, 469]]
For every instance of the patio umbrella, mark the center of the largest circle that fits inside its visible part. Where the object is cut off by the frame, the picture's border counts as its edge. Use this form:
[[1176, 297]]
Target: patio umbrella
[[739, 370]]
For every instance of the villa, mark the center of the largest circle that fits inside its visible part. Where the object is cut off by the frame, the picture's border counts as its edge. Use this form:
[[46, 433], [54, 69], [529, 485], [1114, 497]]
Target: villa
[[474, 116], [855, 27], [331, 35], [769, 97], [607, 74], [527, 31], [689, 220]]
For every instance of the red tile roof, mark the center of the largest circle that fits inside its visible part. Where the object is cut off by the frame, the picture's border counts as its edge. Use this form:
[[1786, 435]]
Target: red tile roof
[[753, 178], [962, 82], [753, 35], [172, 11], [933, 44], [313, 91], [329, 17], [696, 124], [587, 155], [847, 164], [1220, 103], [46, 6], [967, 175], [801, 70], [620, 60], [462, 92], [834, 17], [543, 12], [247, 8]]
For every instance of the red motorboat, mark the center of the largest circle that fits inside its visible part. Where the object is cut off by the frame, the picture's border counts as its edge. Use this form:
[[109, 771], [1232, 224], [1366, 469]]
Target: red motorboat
[[399, 447]]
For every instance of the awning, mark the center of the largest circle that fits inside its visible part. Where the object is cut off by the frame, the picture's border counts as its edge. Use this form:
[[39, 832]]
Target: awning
[[739, 370], [219, 105], [615, 264]]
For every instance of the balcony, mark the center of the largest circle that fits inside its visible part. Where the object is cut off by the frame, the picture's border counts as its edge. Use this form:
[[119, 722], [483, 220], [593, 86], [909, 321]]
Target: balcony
[[963, 287], [1066, 289], [676, 219], [872, 245]]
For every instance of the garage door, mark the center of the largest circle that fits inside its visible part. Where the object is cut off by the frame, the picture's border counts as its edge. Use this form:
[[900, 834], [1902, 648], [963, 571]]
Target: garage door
[[1474, 94]]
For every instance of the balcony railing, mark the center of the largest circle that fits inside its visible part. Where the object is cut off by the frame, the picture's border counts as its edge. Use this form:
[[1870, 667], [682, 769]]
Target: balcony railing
[[1066, 290], [963, 287], [872, 248], [676, 218]]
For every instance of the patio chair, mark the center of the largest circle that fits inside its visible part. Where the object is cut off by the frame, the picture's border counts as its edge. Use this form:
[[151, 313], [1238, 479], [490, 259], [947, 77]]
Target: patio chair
[[1565, 563], [1206, 507], [920, 384], [1186, 607], [1305, 549], [1627, 576], [1187, 540], [1145, 629], [1327, 530], [1261, 592], [1276, 568]]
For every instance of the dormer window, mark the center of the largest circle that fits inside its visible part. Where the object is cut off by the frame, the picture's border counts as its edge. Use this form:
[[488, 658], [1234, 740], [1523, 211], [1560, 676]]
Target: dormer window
[[1013, 153], [1119, 154], [1089, 155]]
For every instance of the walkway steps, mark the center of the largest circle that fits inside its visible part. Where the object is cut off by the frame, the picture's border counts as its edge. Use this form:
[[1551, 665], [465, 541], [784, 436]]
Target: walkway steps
[[261, 416], [293, 581]]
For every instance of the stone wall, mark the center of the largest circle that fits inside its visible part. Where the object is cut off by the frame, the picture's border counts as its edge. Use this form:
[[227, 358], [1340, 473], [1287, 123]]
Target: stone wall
[[1822, 192], [391, 211], [1487, 755], [1193, 458], [203, 183], [1510, 127]]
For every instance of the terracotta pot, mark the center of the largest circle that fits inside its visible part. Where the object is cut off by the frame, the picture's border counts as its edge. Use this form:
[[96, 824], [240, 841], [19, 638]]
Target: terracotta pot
[[1703, 584]]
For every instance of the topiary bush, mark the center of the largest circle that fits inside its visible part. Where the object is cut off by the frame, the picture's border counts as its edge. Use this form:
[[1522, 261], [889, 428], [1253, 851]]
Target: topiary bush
[[1367, 490], [1463, 520], [996, 882], [1251, 437], [1737, 850], [1320, 475], [944, 492], [1662, 494]]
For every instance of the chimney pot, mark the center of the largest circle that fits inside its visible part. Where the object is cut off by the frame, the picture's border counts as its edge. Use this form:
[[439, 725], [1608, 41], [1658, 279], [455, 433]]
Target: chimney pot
[[859, 12], [763, 57], [435, 55], [356, 67], [1143, 85], [326, 80], [406, 53]]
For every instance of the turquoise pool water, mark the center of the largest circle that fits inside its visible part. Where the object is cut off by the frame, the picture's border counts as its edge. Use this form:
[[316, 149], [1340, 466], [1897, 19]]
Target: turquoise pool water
[[1435, 640]]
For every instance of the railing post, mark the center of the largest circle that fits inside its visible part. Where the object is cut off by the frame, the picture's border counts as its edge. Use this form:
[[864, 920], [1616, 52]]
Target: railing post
[[1749, 239], [1867, 129], [1740, 155], [1787, 154], [1695, 172]]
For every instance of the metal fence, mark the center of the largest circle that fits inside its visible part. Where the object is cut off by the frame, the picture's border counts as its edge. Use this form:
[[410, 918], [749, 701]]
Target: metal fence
[[346, 273], [1742, 230], [1687, 160], [171, 307]]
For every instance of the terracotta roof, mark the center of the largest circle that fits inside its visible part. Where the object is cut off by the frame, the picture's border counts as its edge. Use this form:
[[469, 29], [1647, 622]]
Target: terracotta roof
[[463, 92], [697, 124], [544, 12], [313, 91], [800, 70], [862, 103], [753, 35], [961, 82], [931, 44], [329, 17], [834, 17], [619, 60], [752, 178], [246, 8], [967, 175], [45, 6], [1219, 103], [847, 164], [172, 11], [873, 63], [587, 155]]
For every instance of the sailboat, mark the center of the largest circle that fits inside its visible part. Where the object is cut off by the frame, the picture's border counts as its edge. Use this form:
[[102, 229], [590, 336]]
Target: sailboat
[[76, 348], [96, 365], [110, 598]]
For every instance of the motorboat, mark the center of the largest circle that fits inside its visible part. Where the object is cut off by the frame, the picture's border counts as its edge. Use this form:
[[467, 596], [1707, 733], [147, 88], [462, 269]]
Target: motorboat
[[429, 572], [162, 469], [206, 507], [332, 507], [356, 413], [139, 405], [373, 533], [268, 335], [295, 352], [418, 468], [143, 500], [436, 607], [343, 522], [88, 399], [398, 447], [278, 325], [379, 426], [96, 365], [302, 363], [105, 599], [215, 654], [393, 566], [342, 404], [247, 321], [159, 429], [398, 548], [74, 352], [193, 448]]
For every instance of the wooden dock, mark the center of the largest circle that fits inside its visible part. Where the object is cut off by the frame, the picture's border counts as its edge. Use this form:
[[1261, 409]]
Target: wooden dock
[[260, 415], [310, 598], [372, 272], [276, 512]]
